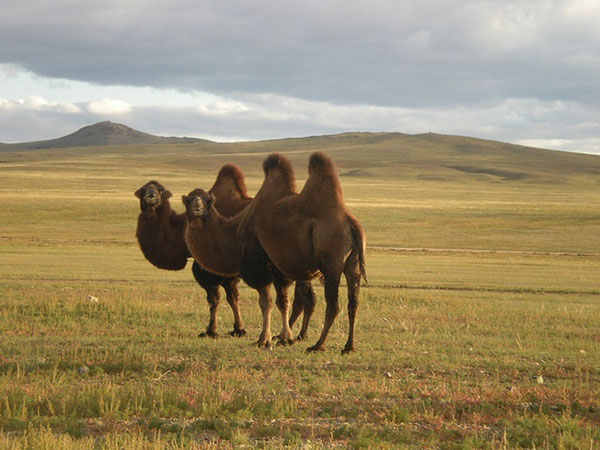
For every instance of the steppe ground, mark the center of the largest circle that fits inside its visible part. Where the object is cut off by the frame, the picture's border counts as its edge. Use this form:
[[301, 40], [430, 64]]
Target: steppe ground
[[479, 327]]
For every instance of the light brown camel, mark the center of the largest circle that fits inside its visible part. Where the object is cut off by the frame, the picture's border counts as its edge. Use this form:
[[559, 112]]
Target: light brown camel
[[213, 241], [310, 232], [160, 234]]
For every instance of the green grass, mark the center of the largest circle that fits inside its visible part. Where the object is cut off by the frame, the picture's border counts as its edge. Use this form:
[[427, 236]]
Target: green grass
[[433, 366], [456, 349]]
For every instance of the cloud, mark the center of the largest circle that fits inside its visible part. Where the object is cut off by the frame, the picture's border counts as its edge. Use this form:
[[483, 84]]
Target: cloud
[[222, 107], [37, 103], [109, 107], [556, 125], [384, 53], [513, 71], [9, 70]]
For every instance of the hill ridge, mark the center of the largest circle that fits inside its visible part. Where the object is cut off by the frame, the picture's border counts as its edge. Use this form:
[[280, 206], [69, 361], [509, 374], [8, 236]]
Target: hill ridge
[[426, 156], [105, 133]]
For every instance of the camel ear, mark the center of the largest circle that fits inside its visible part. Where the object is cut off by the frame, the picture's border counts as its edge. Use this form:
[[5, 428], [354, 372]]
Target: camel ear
[[166, 195], [139, 193], [184, 199]]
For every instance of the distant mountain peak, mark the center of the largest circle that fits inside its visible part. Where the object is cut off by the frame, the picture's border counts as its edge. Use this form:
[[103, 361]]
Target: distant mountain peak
[[101, 134], [108, 133]]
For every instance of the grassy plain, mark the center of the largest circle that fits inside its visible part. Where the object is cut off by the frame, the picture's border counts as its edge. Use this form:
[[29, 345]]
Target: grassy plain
[[487, 339]]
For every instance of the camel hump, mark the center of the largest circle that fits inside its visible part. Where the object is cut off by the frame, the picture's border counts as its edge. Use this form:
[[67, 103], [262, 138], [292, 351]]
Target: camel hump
[[281, 163], [277, 161], [323, 178], [321, 162], [230, 174]]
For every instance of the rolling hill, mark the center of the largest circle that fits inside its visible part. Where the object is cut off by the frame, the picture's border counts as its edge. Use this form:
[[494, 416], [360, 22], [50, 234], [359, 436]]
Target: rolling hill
[[100, 134], [427, 157], [418, 191]]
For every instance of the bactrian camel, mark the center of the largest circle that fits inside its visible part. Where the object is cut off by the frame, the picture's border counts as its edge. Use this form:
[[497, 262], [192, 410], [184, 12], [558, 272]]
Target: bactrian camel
[[307, 233], [213, 241], [160, 234]]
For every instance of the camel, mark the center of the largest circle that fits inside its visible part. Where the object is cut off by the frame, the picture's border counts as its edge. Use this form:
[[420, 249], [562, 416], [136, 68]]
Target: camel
[[160, 234], [212, 241], [309, 233]]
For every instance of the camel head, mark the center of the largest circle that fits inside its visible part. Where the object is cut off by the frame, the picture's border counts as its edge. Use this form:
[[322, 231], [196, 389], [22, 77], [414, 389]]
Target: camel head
[[198, 204], [152, 195]]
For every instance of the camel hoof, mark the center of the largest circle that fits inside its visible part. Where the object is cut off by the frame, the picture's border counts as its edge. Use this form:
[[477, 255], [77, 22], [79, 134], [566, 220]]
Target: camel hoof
[[347, 350], [238, 333], [210, 334], [315, 348], [284, 342], [266, 345], [301, 337]]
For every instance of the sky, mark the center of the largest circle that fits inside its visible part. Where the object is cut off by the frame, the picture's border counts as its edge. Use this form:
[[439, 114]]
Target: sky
[[525, 72]]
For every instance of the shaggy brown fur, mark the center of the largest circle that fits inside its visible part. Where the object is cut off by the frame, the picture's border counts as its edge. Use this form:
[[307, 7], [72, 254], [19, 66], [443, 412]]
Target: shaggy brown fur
[[212, 240], [160, 234], [160, 229], [229, 190], [309, 232], [209, 234]]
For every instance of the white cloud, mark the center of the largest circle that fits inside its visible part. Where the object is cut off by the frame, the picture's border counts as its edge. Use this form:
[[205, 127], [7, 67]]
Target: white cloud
[[556, 125], [35, 102], [69, 108], [584, 9], [9, 71], [38, 103], [109, 107], [591, 145], [222, 107]]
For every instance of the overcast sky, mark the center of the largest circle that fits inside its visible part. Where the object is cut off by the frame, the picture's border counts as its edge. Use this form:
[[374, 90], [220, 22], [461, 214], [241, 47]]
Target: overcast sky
[[523, 72]]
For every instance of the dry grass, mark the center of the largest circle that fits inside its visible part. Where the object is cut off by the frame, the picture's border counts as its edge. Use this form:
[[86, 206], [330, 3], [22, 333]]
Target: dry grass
[[455, 349]]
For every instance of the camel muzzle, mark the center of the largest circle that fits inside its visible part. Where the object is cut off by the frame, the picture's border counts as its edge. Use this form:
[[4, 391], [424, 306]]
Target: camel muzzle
[[151, 199], [198, 208]]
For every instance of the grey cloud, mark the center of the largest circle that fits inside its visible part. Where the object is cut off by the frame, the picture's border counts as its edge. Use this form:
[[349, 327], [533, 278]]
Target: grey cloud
[[39, 124], [390, 53], [558, 125], [513, 71]]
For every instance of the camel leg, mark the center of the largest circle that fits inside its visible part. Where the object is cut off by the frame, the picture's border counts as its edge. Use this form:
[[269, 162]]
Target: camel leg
[[231, 290], [210, 283], [304, 301], [266, 305], [332, 283], [353, 281], [212, 296], [298, 304], [310, 301], [283, 304]]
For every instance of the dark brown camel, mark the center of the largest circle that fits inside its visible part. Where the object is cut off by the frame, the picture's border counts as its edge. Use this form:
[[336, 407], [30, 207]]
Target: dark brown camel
[[160, 234], [213, 241], [310, 232]]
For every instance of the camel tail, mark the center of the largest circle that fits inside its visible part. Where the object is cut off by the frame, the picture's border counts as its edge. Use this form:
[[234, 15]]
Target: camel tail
[[360, 242]]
